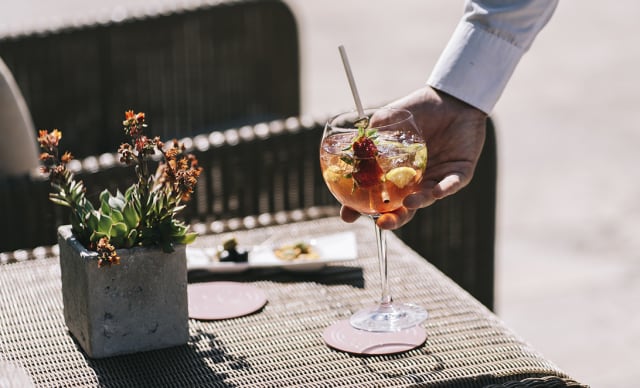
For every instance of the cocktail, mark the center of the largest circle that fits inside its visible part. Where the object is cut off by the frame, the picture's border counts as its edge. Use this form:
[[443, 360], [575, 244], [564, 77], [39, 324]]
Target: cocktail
[[371, 160]]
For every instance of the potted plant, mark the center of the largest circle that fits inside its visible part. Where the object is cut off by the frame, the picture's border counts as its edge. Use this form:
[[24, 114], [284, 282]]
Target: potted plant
[[123, 264]]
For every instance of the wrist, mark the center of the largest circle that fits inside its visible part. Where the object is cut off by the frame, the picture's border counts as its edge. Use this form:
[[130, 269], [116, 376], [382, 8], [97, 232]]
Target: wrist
[[436, 109], [458, 105]]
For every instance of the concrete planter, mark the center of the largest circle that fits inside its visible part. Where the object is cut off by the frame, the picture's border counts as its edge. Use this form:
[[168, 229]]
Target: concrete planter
[[136, 306]]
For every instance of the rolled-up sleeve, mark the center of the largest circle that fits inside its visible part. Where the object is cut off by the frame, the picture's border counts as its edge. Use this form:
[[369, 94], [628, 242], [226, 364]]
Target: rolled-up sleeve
[[486, 47]]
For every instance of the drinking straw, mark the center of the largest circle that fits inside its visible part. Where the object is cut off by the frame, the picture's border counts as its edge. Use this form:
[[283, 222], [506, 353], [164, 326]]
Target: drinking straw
[[352, 82], [356, 97]]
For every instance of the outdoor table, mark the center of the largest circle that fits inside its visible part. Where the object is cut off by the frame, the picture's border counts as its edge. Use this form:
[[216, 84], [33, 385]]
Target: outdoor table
[[282, 344]]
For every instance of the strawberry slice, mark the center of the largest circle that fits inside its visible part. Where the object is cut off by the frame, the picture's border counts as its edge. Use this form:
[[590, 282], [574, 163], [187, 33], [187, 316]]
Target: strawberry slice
[[364, 147], [367, 172]]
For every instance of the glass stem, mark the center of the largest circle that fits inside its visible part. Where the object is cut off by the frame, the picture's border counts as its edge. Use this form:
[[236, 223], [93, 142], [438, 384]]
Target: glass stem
[[381, 241]]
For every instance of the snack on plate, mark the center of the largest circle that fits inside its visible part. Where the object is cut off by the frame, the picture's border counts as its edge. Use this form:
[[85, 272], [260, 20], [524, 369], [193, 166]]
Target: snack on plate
[[300, 250], [230, 252]]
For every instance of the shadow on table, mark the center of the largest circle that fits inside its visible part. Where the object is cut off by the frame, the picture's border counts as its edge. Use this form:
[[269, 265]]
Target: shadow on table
[[442, 376], [330, 275], [182, 366]]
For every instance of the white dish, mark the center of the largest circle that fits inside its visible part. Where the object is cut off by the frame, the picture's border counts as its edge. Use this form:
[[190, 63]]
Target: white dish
[[330, 248], [205, 259]]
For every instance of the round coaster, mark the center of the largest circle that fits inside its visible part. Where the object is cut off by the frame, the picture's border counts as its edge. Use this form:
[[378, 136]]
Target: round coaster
[[342, 336], [224, 300]]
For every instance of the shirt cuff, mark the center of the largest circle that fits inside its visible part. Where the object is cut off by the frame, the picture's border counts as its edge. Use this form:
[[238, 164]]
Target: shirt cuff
[[475, 66]]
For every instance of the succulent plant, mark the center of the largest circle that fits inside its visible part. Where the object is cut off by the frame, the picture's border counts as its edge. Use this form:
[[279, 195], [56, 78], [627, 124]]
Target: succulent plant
[[145, 215]]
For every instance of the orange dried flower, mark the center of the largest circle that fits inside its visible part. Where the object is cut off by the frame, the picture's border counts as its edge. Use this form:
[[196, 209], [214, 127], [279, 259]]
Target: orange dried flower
[[106, 253], [180, 172], [66, 158], [134, 123], [49, 141]]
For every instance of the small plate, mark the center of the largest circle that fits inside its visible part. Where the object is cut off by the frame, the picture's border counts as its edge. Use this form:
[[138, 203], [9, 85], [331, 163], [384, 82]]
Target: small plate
[[205, 259], [330, 248]]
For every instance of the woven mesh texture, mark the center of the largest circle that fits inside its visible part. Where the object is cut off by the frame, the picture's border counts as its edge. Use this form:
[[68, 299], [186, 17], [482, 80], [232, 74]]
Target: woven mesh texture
[[282, 345]]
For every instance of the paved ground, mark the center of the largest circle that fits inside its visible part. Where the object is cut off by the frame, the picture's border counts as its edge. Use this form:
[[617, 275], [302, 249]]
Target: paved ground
[[568, 268]]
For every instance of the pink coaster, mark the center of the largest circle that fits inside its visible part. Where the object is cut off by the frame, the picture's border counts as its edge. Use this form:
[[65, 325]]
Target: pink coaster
[[224, 300], [342, 336]]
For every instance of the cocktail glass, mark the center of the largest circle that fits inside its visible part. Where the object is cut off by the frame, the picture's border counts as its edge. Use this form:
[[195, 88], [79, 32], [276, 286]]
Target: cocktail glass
[[370, 163]]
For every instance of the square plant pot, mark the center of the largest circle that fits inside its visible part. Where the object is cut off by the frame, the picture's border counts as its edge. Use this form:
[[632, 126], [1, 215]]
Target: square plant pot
[[138, 305]]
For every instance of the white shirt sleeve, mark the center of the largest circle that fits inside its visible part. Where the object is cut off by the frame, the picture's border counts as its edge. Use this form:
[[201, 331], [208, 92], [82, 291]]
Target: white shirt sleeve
[[486, 46]]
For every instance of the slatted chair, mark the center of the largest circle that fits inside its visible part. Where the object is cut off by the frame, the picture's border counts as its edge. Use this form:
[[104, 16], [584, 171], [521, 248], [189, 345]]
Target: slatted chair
[[212, 65], [273, 168]]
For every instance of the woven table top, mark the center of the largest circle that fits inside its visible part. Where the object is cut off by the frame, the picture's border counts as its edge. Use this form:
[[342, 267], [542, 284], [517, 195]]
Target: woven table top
[[282, 345]]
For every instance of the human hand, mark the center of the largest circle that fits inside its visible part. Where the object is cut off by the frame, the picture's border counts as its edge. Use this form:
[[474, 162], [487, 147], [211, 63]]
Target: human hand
[[455, 133]]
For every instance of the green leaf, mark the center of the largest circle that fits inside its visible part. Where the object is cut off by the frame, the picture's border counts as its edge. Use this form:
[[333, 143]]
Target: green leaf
[[57, 187], [87, 207], [104, 203], [178, 229], [117, 202], [131, 238], [104, 196], [96, 236], [177, 209], [118, 229], [187, 238], [132, 195], [116, 215], [93, 219], [59, 201], [76, 192], [348, 160], [120, 196], [131, 216], [104, 224]]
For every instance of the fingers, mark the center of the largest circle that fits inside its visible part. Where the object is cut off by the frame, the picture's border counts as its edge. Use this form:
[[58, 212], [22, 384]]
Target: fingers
[[419, 200], [392, 220], [431, 191], [348, 214], [451, 184], [396, 218], [422, 198], [382, 117]]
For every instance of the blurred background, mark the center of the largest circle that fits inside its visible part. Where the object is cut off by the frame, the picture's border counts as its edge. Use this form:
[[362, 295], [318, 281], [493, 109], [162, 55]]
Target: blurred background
[[567, 264]]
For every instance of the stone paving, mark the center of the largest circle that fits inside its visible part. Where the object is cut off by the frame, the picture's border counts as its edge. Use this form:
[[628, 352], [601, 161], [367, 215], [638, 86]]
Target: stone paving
[[568, 268]]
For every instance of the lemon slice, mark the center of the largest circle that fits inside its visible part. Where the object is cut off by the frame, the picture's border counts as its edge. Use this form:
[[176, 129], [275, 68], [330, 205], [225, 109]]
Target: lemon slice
[[332, 174], [420, 160], [401, 176]]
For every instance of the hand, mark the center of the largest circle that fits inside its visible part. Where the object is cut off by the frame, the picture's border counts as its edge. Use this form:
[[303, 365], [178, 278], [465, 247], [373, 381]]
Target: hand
[[455, 133]]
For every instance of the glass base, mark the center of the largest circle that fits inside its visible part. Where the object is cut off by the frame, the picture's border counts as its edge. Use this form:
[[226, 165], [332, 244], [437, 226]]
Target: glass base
[[388, 318]]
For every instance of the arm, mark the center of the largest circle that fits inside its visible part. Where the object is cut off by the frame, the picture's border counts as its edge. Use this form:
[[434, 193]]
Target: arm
[[486, 47], [466, 83]]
